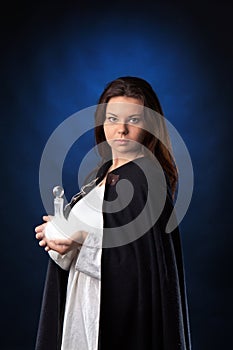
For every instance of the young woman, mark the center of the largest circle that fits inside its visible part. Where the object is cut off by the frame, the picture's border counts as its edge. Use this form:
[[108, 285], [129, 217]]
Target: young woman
[[118, 281]]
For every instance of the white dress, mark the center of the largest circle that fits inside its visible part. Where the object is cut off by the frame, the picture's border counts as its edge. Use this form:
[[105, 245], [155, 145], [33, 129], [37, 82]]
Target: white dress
[[82, 310]]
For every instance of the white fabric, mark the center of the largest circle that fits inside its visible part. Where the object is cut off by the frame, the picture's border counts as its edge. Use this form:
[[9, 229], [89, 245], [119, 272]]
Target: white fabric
[[81, 319]]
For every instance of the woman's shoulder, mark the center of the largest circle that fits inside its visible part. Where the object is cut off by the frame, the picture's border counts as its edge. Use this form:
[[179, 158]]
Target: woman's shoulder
[[142, 172], [148, 167], [153, 174], [139, 170], [148, 163]]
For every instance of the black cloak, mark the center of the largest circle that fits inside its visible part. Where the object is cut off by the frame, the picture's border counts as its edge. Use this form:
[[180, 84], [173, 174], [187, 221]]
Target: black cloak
[[143, 292]]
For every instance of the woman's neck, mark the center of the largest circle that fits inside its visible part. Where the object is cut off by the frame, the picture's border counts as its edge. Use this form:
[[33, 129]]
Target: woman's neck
[[119, 161]]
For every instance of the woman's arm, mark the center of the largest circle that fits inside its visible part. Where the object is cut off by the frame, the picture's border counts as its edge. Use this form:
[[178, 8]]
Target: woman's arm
[[61, 250], [61, 245], [87, 246]]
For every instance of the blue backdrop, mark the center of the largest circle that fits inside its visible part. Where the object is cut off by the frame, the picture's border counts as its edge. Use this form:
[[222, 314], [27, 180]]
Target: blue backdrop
[[56, 60]]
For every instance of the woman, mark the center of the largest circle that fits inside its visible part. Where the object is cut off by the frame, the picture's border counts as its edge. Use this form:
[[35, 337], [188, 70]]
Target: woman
[[118, 281]]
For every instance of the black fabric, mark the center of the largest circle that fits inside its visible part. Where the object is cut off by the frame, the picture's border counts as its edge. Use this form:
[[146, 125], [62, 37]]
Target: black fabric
[[143, 297], [52, 310], [143, 294]]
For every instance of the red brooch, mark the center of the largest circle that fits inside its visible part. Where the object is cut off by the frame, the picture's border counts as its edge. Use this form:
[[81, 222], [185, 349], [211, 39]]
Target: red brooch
[[112, 179]]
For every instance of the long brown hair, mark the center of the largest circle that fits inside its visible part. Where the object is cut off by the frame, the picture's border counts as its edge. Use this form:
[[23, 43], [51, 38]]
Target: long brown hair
[[140, 89]]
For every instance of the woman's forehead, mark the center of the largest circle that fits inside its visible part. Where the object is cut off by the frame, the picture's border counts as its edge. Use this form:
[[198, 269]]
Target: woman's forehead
[[124, 108]]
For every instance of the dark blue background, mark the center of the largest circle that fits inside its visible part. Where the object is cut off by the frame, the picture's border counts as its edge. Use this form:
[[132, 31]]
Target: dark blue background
[[56, 60]]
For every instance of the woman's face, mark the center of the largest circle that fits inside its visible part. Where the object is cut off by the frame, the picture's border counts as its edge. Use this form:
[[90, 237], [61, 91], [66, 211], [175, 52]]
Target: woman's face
[[123, 126]]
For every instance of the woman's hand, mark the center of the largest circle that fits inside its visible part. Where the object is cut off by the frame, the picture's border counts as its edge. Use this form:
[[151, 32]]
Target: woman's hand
[[60, 245], [40, 233]]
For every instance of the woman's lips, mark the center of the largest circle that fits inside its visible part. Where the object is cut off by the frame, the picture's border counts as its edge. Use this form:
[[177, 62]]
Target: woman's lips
[[121, 141]]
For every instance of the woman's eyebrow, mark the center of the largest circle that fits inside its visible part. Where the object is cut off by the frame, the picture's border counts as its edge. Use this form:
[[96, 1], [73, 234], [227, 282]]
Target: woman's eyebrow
[[129, 116], [114, 115]]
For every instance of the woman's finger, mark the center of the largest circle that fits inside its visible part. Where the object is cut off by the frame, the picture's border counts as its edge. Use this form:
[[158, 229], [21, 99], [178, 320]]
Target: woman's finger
[[47, 218], [42, 243], [40, 235], [40, 227]]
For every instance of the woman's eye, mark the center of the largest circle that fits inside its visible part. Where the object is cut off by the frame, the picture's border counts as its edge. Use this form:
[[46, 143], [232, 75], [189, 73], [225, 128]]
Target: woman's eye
[[134, 120], [112, 119]]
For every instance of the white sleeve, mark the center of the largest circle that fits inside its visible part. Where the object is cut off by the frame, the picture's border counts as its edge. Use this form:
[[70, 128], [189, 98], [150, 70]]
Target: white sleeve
[[89, 258], [64, 261]]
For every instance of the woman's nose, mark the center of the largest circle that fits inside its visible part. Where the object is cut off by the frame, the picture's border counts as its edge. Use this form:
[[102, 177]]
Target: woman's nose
[[123, 129]]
